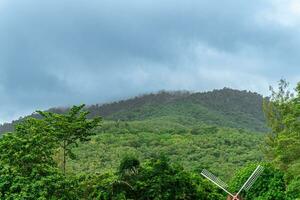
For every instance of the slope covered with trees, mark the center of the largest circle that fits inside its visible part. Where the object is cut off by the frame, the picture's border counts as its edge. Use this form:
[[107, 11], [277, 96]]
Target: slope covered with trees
[[226, 107], [224, 150], [66, 155]]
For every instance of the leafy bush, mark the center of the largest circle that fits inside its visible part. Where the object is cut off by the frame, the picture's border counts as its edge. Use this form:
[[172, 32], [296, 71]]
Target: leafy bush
[[269, 186]]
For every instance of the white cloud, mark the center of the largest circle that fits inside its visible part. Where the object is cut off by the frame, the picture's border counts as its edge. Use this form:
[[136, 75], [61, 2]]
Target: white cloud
[[283, 12]]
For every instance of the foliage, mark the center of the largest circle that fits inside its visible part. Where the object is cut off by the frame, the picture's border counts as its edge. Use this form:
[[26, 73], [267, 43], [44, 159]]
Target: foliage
[[152, 179], [269, 186], [293, 189], [157, 179], [225, 107], [69, 129], [96, 186], [27, 170], [221, 150], [283, 143], [219, 131]]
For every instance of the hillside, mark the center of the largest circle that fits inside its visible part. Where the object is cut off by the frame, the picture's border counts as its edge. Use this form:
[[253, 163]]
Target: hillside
[[225, 107], [222, 150], [219, 130]]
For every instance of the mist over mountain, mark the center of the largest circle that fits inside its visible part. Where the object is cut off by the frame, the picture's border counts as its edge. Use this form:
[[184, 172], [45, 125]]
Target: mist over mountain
[[225, 107]]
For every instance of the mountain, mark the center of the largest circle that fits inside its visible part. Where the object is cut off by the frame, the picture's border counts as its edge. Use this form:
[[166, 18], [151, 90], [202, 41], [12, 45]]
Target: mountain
[[218, 130], [225, 107]]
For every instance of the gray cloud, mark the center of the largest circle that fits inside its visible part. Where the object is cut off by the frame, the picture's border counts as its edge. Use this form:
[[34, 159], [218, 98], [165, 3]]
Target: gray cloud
[[56, 53]]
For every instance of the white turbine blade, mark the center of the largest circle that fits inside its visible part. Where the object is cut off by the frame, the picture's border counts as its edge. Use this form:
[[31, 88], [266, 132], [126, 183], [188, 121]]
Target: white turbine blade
[[215, 180], [213, 177], [254, 178], [256, 173]]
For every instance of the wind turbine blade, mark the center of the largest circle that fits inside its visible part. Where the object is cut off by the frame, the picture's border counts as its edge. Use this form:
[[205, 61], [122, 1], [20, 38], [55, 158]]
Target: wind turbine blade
[[218, 182], [248, 184], [213, 177], [254, 178]]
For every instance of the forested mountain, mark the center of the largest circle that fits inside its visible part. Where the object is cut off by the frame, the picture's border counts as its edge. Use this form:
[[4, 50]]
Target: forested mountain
[[149, 146], [223, 150], [206, 129], [225, 107]]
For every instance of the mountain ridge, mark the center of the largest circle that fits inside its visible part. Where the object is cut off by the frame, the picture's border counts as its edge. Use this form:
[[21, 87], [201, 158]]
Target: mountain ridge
[[221, 107]]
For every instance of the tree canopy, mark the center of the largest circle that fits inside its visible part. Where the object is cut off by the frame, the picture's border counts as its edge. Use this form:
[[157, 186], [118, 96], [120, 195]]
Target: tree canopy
[[68, 155]]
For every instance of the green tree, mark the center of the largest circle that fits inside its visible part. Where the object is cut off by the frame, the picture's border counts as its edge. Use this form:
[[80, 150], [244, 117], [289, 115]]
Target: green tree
[[158, 179], [293, 189], [96, 186], [269, 186], [27, 169], [70, 129], [283, 113]]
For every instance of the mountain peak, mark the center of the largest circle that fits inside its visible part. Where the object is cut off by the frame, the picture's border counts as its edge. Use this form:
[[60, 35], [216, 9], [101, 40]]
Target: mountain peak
[[221, 107]]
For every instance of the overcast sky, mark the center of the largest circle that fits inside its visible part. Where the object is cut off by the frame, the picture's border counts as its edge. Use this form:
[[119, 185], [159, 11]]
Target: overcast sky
[[64, 52]]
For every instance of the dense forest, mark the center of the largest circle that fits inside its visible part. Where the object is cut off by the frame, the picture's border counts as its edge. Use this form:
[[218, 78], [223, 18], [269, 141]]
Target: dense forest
[[154, 147], [225, 107]]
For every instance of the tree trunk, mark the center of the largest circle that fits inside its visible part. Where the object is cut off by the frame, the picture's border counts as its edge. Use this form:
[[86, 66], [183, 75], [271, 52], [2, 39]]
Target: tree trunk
[[64, 158]]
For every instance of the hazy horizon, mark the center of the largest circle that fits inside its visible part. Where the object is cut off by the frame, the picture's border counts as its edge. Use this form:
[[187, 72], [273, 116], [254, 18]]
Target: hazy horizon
[[121, 98]]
